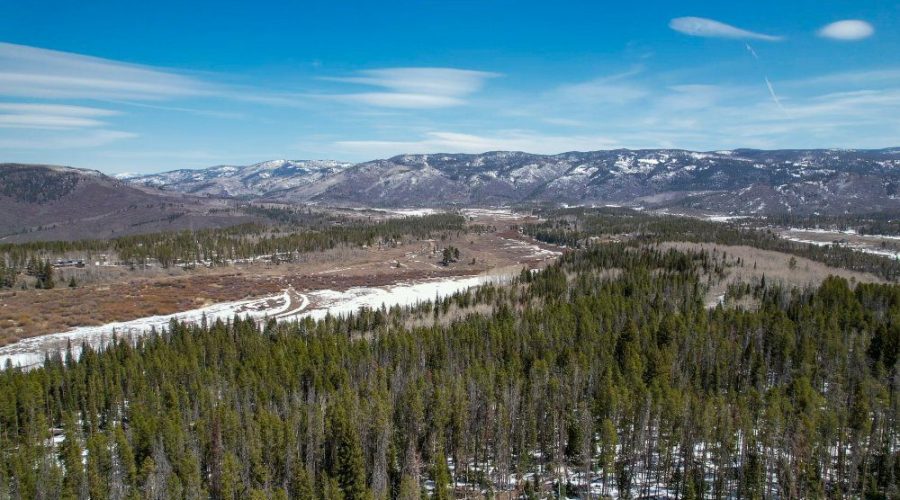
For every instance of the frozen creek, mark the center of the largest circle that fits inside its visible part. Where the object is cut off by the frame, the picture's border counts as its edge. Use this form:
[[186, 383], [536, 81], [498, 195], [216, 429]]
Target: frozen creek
[[286, 306]]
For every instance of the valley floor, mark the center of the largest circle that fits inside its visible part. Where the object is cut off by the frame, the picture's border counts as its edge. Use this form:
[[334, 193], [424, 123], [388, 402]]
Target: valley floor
[[33, 322]]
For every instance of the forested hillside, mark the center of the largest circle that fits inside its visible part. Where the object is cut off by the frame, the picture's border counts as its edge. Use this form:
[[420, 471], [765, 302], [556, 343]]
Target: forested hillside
[[604, 374]]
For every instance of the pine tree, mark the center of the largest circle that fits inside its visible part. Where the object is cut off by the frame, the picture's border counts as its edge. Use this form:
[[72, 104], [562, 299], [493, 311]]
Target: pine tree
[[440, 474], [70, 456], [45, 278], [350, 464], [231, 483], [409, 489], [301, 484]]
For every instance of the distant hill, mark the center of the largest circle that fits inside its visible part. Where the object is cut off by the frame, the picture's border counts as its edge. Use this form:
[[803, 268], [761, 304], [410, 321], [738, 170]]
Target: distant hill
[[742, 181], [260, 179], [43, 202]]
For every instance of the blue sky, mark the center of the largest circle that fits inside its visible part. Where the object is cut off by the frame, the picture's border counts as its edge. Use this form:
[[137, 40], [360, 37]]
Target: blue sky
[[152, 86]]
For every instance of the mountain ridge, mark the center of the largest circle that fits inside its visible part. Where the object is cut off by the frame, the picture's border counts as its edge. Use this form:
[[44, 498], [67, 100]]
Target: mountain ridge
[[738, 181], [238, 181], [746, 181]]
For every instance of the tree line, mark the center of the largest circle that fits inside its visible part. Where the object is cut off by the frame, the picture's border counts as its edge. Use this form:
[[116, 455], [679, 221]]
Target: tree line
[[576, 227], [219, 246], [878, 224]]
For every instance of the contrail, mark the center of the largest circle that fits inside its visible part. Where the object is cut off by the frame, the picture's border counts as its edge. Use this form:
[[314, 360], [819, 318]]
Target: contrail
[[751, 51], [766, 78], [772, 92]]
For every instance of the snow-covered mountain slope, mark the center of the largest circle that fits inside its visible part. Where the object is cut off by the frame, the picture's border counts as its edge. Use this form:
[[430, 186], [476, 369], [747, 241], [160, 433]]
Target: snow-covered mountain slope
[[249, 181], [740, 181]]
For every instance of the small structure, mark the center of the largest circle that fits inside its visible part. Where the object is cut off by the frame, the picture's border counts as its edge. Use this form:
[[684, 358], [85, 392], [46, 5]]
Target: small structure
[[69, 263]]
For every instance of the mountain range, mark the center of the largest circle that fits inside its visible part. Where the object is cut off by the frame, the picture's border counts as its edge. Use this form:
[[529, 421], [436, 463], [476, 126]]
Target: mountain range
[[742, 181], [52, 202]]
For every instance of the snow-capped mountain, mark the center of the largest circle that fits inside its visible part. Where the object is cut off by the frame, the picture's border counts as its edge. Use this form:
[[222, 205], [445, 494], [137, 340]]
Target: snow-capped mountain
[[251, 181], [740, 181]]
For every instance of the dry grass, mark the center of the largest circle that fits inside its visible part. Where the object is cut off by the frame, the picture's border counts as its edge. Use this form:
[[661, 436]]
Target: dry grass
[[116, 294], [775, 266]]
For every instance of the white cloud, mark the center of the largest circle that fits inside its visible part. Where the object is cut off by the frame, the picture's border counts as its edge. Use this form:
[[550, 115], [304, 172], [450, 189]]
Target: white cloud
[[710, 28], [841, 110], [50, 116], [860, 77], [24, 120], [669, 110], [563, 122], [55, 109], [403, 100], [415, 87], [847, 30], [86, 139], [41, 73], [688, 97], [602, 91], [439, 81], [455, 142], [38, 73]]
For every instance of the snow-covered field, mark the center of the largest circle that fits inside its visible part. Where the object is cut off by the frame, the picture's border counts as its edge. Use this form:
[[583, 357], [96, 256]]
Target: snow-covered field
[[287, 306], [413, 212], [725, 218], [31, 351], [496, 213], [401, 212], [870, 244], [324, 302], [524, 246]]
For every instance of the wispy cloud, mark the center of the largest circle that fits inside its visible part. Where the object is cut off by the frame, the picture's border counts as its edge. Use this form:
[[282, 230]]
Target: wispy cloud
[[416, 88], [866, 77], [56, 109], [402, 100], [614, 89], [456, 142], [837, 110], [33, 74], [50, 116], [179, 109], [36, 73], [42, 73], [847, 30], [710, 28], [81, 139]]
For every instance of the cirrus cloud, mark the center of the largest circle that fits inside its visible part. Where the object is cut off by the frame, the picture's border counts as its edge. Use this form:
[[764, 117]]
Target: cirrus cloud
[[415, 88], [43, 73], [81, 139], [457, 142], [847, 30], [50, 116], [710, 28]]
